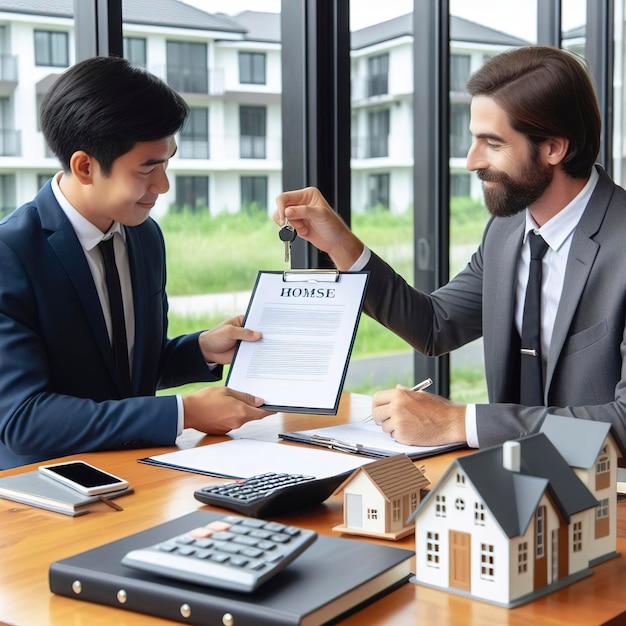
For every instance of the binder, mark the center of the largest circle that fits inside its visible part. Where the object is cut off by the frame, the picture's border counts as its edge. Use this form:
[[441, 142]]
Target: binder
[[309, 320], [332, 578]]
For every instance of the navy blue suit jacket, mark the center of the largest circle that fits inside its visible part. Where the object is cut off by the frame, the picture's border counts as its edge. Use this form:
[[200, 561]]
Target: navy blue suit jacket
[[58, 388]]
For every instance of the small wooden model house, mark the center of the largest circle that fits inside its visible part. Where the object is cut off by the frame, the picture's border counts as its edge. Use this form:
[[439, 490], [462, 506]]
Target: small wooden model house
[[378, 498], [512, 523]]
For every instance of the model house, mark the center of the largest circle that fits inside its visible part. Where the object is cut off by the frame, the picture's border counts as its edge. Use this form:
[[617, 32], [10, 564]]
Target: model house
[[378, 498], [514, 522]]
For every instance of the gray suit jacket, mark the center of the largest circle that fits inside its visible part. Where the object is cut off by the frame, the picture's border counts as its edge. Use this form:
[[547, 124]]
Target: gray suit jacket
[[586, 370]]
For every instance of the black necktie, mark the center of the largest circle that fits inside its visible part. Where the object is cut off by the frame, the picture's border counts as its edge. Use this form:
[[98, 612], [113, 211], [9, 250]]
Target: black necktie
[[531, 376], [120, 343]]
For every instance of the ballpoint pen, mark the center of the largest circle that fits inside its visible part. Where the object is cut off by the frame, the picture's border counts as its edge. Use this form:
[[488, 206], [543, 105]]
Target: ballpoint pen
[[419, 387]]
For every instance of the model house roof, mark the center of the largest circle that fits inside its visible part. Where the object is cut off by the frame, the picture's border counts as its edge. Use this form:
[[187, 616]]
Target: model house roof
[[512, 495], [393, 476]]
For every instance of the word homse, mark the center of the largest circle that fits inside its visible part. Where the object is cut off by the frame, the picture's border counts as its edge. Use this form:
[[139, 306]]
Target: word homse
[[307, 292]]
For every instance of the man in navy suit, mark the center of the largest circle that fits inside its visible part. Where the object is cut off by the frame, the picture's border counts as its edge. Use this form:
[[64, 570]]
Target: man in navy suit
[[535, 124], [112, 126]]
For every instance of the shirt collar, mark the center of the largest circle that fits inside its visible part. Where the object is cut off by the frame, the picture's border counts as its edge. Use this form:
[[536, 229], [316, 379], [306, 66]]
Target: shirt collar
[[88, 234], [558, 228]]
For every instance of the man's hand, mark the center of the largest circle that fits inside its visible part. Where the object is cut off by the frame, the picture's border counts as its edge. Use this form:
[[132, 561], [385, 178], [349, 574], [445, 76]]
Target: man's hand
[[216, 410], [316, 222], [218, 344], [419, 418]]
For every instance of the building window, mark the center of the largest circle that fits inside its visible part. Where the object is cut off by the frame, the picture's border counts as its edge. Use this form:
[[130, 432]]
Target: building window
[[252, 132], [378, 191], [187, 69], [372, 513], [460, 185], [603, 471], [459, 72], [522, 557], [487, 562], [440, 506], [378, 75], [252, 68], [432, 549], [194, 135], [540, 531], [460, 480], [42, 179], [51, 48], [7, 193], [479, 514], [192, 193], [253, 194], [135, 50], [378, 133], [395, 510], [459, 504], [577, 537], [460, 138]]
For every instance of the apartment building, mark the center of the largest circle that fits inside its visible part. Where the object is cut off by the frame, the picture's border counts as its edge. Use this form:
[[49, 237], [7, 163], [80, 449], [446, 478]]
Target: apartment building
[[229, 71]]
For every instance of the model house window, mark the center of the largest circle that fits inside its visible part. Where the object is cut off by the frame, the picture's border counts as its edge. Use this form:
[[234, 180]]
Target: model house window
[[378, 133], [522, 557], [432, 549], [51, 48], [253, 194], [187, 69], [460, 480], [577, 537], [252, 132], [135, 50], [372, 513], [395, 510], [487, 561], [194, 135], [378, 191], [414, 501], [479, 514], [252, 68], [603, 471], [192, 193], [440, 506], [540, 531], [459, 503], [378, 75]]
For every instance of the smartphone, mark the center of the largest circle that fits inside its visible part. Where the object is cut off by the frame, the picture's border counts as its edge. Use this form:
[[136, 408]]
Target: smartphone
[[84, 477]]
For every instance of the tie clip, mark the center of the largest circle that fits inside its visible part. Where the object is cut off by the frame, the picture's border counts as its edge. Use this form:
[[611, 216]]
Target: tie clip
[[528, 352]]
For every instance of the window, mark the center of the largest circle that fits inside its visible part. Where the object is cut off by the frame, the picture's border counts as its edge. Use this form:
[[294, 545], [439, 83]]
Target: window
[[135, 50], [459, 72], [51, 48], [460, 138], [460, 480], [603, 471], [372, 513], [42, 179], [10, 144], [460, 185], [253, 193], [379, 191], [192, 193], [252, 132], [252, 68], [459, 504], [440, 506], [487, 561], [479, 514], [194, 135], [540, 531], [577, 536], [7, 193], [187, 69], [522, 557], [378, 133], [378, 75], [414, 501], [432, 549], [396, 512]]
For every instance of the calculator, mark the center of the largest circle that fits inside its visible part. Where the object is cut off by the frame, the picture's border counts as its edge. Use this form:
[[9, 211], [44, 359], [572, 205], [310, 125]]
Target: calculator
[[233, 553], [270, 493]]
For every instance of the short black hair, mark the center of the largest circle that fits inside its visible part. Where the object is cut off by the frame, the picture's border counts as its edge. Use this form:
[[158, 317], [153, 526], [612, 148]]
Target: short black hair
[[104, 106]]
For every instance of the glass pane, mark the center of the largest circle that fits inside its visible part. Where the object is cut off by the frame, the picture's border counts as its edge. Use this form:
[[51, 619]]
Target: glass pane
[[619, 103]]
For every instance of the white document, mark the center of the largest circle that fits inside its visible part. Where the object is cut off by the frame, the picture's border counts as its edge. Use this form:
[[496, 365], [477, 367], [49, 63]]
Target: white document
[[244, 458], [308, 320]]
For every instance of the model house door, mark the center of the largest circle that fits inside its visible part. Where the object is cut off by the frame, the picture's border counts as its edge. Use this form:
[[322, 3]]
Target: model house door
[[460, 560], [354, 510]]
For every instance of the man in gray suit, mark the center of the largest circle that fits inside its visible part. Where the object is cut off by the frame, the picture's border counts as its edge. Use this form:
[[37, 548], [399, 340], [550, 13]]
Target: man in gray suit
[[535, 125]]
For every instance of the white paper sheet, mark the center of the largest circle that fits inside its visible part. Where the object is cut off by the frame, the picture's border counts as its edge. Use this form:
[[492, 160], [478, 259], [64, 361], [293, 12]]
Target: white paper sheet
[[308, 328]]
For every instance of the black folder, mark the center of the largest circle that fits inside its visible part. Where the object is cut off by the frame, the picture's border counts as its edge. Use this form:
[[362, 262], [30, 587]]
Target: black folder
[[333, 577]]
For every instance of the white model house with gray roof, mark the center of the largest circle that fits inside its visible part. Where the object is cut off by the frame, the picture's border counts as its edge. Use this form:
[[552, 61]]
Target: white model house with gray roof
[[514, 522]]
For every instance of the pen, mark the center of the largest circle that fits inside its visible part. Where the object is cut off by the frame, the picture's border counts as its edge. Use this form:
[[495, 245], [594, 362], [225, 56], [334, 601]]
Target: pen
[[419, 387]]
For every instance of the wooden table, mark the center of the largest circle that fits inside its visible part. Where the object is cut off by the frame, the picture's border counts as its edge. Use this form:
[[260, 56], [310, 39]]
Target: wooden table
[[30, 539]]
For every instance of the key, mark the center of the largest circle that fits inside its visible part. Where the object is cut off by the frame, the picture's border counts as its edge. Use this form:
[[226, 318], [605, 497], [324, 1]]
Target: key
[[287, 234]]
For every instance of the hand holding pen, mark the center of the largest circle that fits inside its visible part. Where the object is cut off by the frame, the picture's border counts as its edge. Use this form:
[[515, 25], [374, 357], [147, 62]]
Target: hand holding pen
[[419, 387]]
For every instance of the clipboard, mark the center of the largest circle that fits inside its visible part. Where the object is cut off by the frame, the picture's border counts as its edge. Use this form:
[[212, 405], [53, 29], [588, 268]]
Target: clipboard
[[309, 320]]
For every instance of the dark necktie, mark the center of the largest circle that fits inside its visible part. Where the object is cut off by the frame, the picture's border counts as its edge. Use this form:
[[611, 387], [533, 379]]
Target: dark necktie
[[531, 376], [120, 343]]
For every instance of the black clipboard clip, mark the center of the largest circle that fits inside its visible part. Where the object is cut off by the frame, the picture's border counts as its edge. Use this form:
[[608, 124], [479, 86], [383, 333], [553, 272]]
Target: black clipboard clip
[[311, 276], [336, 444]]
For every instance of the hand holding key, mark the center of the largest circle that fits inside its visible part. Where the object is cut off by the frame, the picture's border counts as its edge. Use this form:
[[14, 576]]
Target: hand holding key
[[287, 234]]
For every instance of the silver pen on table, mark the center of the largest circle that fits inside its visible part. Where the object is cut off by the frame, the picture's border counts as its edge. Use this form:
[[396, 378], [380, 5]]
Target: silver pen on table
[[419, 387]]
